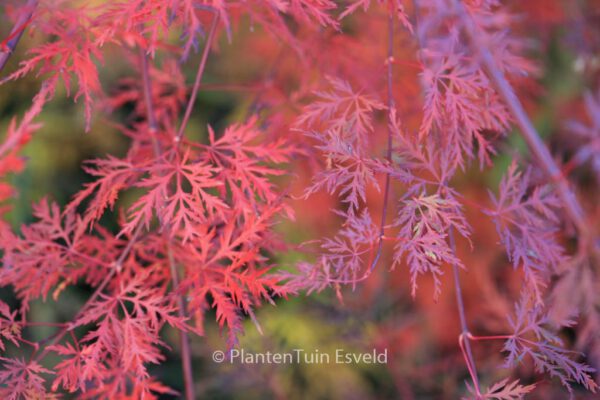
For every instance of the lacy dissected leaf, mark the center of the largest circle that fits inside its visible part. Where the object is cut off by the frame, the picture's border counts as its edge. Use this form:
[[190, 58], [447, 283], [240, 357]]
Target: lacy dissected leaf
[[234, 273], [533, 336], [21, 380], [71, 373], [178, 193], [72, 51], [9, 164], [502, 390], [144, 294], [340, 121], [414, 157], [10, 329], [358, 233], [507, 47], [364, 4], [246, 163], [347, 172], [112, 175], [317, 10], [341, 111], [345, 258], [144, 22], [184, 190], [461, 107], [17, 135], [425, 223], [527, 222], [126, 334], [218, 198], [56, 248], [227, 315], [314, 14], [80, 371]]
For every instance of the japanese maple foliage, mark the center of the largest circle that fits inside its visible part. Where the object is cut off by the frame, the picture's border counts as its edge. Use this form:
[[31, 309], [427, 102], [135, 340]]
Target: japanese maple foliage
[[394, 102]]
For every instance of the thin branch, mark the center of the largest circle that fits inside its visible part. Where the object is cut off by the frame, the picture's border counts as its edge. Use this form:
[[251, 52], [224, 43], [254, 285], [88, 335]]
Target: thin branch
[[24, 126], [526, 128], [390, 105], [463, 339], [186, 352], [147, 88], [17, 32], [492, 337], [118, 265], [201, 67]]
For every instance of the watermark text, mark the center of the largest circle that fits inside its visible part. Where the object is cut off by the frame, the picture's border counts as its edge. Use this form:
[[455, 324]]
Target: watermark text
[[302, 356]]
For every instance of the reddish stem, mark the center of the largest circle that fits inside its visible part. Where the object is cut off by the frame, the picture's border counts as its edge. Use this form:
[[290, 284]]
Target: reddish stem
[[186, 354], [467, 356], [491, 337], [463, 339], [186, 351], [390, 105], [417, 65], [16, 32], [147, 88], [35, 345], [8, 46], [201, 67]]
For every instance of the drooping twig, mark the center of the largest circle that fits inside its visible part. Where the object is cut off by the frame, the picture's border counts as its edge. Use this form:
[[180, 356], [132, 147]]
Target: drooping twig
[[17, 32], [199, 74], [186, 354], [390, 105], [526, 128], [25, 125], [463, 338], [147, 89]]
